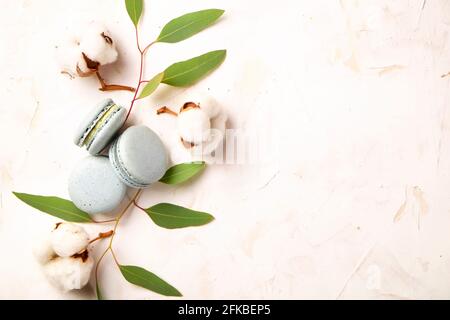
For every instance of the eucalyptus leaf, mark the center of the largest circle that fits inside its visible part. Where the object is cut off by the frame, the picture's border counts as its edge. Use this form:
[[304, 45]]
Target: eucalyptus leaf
[[134, 9], [58, 207], [148, 280], [182, 172], [188, 72], [187, 25], [151, 86], [171, 216]]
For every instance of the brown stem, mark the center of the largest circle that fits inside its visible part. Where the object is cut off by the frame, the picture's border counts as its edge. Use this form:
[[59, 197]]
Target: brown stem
[[111, 87], [103, 235], [187, 144], [189, 105], [445, 75], [104, 221], [84, 255], [166, 110]]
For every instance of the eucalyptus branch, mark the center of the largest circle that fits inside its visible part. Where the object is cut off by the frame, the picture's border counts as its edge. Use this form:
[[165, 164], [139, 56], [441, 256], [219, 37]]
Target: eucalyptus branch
[[141, 71], [121, 216], [148, 46], [113, 233]]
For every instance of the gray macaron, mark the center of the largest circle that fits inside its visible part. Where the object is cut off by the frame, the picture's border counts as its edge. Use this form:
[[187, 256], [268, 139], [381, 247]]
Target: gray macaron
[[94, 187], [138, 157], [99, 126]]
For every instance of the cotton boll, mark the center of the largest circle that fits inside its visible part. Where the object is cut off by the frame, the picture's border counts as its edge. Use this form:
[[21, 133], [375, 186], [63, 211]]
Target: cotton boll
[[98, 45], [220, 122], [82, 55], [207, 147], [216, 135], [70, 58], [211, 107], [193, 125], [68, 239], [69, 273], [201, 127], [43, 250]]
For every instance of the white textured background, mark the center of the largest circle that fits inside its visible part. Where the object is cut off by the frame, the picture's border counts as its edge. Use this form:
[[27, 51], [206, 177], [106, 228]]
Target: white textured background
[[351, 91]]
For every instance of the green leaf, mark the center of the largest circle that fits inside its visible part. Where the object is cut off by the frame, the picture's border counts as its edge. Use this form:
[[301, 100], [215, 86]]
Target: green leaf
[[134, 9], [187, 25], [97, 290], [151, 86], [182, 172], [145, 279], [171, 216], [60, 208], [188, 72]]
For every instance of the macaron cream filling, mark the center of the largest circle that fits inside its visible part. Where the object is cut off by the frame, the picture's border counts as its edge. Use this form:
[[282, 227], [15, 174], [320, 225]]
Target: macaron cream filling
[[88, 128], [98, 124]]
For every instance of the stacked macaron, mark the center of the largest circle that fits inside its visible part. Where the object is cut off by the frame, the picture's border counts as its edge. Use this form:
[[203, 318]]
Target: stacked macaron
[[137, 159], [99, 126]]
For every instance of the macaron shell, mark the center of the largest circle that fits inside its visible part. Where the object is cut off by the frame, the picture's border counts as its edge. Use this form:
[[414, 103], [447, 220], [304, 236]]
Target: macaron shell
[[121, 172], [94, 186], [90, 119], [139, 157], [105, 134]]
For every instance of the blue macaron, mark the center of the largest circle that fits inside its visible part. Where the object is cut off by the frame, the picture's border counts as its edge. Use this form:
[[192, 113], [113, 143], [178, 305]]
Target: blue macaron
[[94, 186], [138, 157], [99, 126]]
